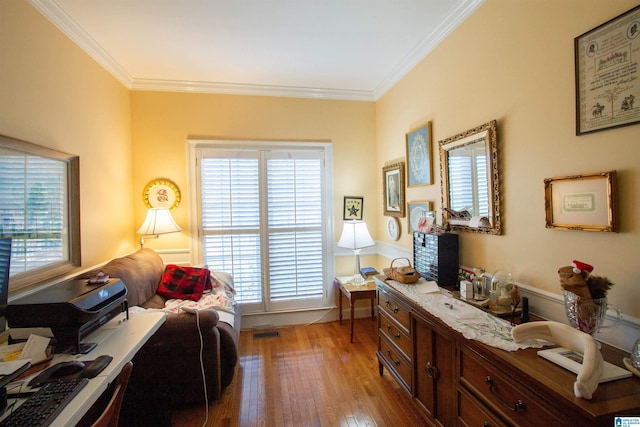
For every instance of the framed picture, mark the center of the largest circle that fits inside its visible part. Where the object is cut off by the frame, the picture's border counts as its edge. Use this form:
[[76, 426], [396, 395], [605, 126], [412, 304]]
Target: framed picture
[[393, 189], [419, 164], [606, 64], [582, 202], [352, 208], [420, 216]]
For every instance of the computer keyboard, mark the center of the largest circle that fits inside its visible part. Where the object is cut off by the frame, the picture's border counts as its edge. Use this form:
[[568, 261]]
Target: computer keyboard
[[41, 408]]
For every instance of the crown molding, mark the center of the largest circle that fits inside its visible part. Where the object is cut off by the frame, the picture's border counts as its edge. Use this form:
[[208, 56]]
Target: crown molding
[[52, 11], [248, 89], [446, 27]]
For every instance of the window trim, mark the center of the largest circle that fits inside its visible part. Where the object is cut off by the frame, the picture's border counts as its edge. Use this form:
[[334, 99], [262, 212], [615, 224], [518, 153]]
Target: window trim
[[72, 162], [197, 253]]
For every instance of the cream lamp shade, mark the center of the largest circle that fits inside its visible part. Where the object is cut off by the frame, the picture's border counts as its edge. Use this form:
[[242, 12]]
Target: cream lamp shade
[[158, 221], [355, 236]]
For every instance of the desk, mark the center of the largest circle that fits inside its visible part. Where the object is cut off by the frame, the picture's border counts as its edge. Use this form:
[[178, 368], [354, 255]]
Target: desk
[[354, 293], [119, 338]]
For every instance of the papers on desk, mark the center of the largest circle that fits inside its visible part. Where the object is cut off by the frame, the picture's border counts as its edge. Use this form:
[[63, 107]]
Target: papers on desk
[[35, 349], [8, 368]]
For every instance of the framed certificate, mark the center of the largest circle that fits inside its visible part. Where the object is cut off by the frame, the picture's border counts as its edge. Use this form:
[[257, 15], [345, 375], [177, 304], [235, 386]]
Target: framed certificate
[[607, 65]]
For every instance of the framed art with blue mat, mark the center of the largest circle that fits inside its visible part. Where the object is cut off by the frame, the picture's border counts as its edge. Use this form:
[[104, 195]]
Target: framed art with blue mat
[[419, 163]]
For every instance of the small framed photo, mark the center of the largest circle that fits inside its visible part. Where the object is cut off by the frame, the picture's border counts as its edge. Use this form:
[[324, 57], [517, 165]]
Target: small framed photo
[[420, 216], [419, 163], [352, 208], [393, 190], [582, 202]]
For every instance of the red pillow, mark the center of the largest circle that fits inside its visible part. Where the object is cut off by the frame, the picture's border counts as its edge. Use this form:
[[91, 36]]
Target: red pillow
[[184, 282]]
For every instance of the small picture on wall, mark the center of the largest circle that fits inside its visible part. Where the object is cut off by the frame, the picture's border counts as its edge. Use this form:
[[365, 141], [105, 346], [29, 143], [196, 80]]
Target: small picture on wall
[[352, 208], [393, 189]]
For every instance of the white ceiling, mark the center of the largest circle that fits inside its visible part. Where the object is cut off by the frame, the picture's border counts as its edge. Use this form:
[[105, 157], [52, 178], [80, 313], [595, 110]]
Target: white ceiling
[[339, 49]]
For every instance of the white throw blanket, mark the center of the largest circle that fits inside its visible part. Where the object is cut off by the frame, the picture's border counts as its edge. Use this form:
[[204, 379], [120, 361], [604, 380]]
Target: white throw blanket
[[220, 298]]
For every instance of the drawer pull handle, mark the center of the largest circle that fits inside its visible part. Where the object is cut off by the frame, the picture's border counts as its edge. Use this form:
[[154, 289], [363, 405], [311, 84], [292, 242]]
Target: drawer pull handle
[[395, 310], [432, 371], [389, 328], [517, 406], [485, 424], [395, 362]]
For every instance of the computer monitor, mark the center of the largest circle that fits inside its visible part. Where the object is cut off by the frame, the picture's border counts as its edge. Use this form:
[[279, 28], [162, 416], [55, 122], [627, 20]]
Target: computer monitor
[[5, 261]]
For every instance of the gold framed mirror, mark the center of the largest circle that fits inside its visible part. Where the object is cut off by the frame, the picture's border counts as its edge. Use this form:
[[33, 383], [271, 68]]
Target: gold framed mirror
[[470, 179]]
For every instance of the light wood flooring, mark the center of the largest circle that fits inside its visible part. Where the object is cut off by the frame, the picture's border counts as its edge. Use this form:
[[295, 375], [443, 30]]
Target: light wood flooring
[[308, 376]]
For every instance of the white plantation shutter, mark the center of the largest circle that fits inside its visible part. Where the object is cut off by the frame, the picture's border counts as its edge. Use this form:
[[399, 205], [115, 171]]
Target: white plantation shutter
[[469, 181], [461, 182], [33, 212], [295, 226], [230, 195], [262, 220]]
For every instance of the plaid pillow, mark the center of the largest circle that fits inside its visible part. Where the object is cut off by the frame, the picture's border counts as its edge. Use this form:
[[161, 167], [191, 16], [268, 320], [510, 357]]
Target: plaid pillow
[[184, 282]]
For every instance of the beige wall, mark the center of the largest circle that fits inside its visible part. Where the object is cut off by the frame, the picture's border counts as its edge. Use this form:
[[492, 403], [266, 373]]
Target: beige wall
[[513, 61], [53, 94], [162, 122]]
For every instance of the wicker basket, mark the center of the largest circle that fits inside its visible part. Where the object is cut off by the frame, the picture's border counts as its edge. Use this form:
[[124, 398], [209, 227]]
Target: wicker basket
[[404, 274]]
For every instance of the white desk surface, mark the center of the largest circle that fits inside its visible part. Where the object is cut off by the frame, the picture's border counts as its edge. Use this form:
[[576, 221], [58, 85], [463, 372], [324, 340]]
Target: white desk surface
[[120, 339]]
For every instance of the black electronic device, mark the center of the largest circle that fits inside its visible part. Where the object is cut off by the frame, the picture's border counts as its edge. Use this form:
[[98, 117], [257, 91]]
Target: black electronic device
[[71, 309], [5, 263], [45, 405], [71, 370]]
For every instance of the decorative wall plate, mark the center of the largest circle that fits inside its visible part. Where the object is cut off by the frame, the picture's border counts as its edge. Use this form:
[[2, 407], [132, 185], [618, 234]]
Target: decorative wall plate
[[161, 193], [393, 228]]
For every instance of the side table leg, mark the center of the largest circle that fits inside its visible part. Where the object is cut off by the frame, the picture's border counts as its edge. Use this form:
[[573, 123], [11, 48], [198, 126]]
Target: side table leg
[[340, 305], [352, 312]]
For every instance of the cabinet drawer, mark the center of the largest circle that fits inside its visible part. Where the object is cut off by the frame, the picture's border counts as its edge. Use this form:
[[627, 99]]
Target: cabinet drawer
[[504, 394], [394, 334], [396, 362], [394, 309], [474, 413]]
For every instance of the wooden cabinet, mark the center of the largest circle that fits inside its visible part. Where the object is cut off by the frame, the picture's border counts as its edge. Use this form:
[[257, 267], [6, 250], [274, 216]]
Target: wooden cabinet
[[434, 355], [395, 339], [457, 381]]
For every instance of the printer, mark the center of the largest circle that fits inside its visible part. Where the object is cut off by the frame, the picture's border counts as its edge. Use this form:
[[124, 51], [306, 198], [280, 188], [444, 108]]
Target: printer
[[71, 310]]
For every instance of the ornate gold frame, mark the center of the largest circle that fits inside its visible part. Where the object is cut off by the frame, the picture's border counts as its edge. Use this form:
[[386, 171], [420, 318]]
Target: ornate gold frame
[[488, 132], [582, 202], [389, 172]]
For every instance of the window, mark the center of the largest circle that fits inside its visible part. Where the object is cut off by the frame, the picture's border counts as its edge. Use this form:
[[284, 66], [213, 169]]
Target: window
[[263, 218], [39, 211]]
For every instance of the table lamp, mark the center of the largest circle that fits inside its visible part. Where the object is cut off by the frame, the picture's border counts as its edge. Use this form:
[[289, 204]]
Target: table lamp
[[158, 221], [355, 236]]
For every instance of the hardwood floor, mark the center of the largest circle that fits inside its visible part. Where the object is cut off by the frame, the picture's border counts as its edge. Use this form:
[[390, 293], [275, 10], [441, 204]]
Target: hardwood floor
[[308, 376]]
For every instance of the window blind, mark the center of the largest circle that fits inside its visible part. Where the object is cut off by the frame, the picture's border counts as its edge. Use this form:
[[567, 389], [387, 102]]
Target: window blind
[[33, 213], [262, 221]]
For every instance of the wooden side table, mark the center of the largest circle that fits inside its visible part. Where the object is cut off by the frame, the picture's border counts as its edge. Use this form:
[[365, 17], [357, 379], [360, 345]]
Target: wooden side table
[[354, 293]]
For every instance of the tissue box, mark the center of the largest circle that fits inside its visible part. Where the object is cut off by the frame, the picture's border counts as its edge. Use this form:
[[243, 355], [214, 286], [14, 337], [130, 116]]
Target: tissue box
[[466, 289]]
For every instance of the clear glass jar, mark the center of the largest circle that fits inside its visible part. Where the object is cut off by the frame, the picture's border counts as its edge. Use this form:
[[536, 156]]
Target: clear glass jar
[[502, 284]]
